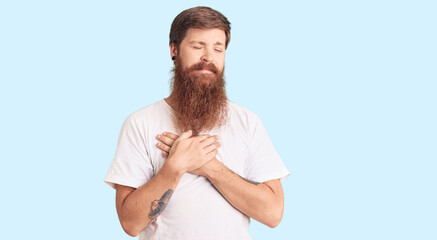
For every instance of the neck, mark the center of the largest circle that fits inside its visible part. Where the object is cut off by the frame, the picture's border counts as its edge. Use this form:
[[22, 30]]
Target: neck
[[170, 100]]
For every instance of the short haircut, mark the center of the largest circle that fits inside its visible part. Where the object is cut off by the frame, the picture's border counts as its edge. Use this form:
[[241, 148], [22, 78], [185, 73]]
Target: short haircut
[[198, 17]]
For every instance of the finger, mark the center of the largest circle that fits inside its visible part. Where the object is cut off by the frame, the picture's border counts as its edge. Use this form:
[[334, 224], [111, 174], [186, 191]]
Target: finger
[[164, 154], [212, 147], [170, 135], [210, 140], [166, 140], [201, 138], [186, 135], [163, 147], [209, 156]]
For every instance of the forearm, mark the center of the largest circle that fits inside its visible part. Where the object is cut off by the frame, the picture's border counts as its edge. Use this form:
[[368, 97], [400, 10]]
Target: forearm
[[144, 204], [257, 200]]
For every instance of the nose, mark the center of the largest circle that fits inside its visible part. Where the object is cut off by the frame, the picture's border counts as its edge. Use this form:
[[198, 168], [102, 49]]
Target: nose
[[207, 56]]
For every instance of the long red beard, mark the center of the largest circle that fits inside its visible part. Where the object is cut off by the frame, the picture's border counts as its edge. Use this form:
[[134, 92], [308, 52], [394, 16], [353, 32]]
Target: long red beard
[[199, 100]]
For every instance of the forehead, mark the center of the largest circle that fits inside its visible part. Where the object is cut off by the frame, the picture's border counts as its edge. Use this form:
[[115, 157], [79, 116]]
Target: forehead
[[209, 36]]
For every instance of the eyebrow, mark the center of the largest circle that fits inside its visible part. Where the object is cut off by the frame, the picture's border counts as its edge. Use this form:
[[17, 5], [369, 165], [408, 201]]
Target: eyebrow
[[203, 43]]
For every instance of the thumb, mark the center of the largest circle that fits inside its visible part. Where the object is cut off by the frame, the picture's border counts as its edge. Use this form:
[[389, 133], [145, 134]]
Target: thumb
[[186, 134]]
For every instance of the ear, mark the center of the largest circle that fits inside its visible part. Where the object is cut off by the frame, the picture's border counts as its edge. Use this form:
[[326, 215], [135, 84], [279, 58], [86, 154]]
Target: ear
[[173, 50]]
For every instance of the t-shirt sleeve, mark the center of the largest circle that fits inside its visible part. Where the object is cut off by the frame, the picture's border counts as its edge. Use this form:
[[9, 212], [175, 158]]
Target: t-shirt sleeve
[[263, 163], [131, 165]]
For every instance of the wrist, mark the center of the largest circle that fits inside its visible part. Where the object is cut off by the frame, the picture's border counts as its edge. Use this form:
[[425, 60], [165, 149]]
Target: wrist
[[210, 169], [172, 169]]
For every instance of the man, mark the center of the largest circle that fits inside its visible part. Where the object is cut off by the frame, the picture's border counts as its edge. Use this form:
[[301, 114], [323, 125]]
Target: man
[[194, 165]]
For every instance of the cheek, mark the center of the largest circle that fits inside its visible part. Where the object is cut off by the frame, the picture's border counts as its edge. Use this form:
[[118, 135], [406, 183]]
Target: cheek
[[221, 63], [186, 62], [190, 60], [185, 56]]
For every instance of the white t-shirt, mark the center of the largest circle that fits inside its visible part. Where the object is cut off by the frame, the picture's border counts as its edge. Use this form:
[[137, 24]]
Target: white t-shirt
[[196, 210]]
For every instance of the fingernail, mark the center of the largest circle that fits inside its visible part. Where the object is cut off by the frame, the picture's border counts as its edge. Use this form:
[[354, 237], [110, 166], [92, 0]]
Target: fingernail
[[159, 136], [159, 144], [164, 134]]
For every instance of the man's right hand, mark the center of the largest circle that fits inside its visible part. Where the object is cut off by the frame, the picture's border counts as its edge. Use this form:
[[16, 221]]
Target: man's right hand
[[190, 153]]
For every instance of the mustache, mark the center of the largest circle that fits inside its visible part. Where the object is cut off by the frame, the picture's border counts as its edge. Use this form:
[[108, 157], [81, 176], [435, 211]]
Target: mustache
[[204, 65]]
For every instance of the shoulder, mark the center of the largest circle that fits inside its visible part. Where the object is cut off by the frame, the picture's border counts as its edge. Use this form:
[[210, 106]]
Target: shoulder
[[242, 113], [155, 109], [145, 116], [244, 119]]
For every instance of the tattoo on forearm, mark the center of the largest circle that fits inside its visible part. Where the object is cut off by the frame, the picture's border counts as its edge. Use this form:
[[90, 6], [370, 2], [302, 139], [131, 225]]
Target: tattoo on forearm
[[249, 181], [159, 205]]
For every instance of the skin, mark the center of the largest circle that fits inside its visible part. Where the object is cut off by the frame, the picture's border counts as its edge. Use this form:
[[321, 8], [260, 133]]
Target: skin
[[137, 208]]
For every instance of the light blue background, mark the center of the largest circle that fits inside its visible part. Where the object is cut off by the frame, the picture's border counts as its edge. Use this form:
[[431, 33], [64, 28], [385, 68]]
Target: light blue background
[[346, 90]]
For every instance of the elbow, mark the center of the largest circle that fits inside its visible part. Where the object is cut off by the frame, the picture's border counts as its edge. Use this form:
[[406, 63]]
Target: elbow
[[274, 217], [130, 229], [131, 232], [274, 221]]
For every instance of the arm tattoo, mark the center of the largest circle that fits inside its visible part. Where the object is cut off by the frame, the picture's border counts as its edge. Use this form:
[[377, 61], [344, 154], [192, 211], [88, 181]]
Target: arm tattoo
[[159, 205], [249, 181]]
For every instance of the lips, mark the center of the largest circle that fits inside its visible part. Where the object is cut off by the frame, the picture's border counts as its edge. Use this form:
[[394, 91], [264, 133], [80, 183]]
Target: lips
[[206, 67], [205, 70]]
